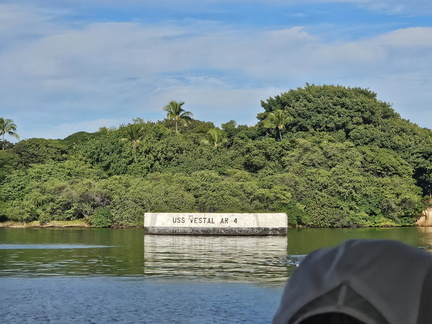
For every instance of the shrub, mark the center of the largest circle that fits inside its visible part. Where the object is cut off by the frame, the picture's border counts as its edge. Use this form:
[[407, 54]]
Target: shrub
[[102, 217]]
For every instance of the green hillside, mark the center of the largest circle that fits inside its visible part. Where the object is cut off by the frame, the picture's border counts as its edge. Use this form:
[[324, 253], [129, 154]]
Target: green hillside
[[328, 156]]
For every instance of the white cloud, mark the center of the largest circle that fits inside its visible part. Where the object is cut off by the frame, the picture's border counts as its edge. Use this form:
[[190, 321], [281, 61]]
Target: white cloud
[[387, 6], [111, 72], [409, 37]]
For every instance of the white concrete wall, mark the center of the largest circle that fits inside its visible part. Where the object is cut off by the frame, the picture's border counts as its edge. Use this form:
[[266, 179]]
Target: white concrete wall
[[213, 223]]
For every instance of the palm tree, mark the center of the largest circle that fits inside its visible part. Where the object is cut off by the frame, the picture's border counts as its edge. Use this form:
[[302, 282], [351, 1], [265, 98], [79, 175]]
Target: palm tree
[[178, 114], [7, 126], [216, 137], [134, 134], [277, 120]]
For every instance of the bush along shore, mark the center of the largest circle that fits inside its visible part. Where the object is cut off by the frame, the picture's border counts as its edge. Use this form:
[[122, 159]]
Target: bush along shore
[[328, 156]]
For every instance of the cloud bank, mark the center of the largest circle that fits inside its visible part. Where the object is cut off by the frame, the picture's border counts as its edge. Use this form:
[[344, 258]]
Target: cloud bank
[[61, 75]]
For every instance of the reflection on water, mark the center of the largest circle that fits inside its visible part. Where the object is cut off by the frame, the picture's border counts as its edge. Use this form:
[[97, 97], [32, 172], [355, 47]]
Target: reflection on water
[[128, 252], [47, 246], [227, 258], [70, 252], [304, 241], [426, 237]]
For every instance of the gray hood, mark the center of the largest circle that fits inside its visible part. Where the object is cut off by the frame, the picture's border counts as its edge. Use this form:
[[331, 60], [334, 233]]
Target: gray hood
[[374, 281]]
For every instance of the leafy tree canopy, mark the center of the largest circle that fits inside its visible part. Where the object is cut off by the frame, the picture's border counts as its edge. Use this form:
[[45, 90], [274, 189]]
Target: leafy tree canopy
[[328, 108]]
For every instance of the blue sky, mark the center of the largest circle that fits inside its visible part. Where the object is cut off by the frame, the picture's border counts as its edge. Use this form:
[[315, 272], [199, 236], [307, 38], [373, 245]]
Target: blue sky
[[69, 66]]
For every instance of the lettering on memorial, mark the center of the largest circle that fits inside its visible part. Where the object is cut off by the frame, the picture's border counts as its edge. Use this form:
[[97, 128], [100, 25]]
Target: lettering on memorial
[[178, 220], [202, 220]]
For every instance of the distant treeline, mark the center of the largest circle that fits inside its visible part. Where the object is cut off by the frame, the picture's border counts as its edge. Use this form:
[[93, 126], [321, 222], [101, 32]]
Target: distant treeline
[[328, 156]]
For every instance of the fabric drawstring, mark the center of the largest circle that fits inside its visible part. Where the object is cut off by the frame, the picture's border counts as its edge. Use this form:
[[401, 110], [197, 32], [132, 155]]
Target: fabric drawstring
[[342, 295]]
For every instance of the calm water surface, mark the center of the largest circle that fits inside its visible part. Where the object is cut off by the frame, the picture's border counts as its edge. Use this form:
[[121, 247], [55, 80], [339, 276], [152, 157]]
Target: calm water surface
[[105, 275]]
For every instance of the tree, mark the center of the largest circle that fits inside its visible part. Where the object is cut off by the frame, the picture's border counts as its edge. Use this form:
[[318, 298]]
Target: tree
[[9, 162], [177, 113], [215, 137], [329, 108], [7, 126], [277, 120], [134, 134], [40, 150]]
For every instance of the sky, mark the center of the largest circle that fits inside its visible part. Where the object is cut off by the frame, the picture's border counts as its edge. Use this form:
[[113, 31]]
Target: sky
[[78, 65]]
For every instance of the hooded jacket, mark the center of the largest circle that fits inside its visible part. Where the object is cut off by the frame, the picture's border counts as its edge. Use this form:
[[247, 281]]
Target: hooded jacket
[[369, 281]]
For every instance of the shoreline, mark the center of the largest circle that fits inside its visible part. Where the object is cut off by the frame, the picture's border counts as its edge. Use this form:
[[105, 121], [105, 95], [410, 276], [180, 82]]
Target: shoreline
[[52, 224]]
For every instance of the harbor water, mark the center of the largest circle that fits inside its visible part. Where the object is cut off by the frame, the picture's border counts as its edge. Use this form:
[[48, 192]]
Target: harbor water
[[123, 276]]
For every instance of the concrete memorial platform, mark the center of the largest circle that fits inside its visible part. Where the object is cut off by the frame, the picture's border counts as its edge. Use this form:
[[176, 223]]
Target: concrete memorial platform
[[216, 223]]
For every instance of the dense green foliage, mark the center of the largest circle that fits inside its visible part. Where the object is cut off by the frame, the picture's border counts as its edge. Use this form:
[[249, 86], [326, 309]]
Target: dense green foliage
[[328, 156]]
